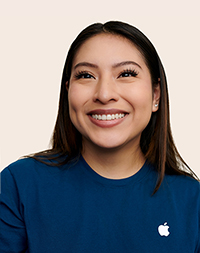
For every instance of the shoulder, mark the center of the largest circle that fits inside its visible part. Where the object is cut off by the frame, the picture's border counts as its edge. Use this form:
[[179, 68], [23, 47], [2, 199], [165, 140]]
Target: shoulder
[[20, 164], [183, 185], [25, 171], [21, 167], [19, 173], [182, 180], [29, 170]]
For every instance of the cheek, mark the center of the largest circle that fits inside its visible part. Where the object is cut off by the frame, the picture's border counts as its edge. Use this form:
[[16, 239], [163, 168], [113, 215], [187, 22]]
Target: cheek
[[73, 104], [75, 97], [145, 98], [72, 99], [140, 96]]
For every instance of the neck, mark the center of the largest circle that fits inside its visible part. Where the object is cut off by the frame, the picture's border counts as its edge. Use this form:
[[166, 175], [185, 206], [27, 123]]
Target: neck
[[114, 163]]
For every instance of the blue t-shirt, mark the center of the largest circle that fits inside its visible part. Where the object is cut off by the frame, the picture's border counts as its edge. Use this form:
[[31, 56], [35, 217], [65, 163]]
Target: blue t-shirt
[[73, 209]]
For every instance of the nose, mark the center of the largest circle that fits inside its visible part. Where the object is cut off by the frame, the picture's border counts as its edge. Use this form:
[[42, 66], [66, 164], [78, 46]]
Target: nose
[[106, 91]]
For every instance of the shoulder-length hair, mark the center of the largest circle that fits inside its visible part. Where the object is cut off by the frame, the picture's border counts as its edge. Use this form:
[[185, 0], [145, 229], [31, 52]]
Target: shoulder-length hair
[[156, 140]]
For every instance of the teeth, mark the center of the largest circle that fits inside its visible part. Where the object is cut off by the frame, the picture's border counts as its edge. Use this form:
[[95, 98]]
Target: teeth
[[103, 117], [108, 116]]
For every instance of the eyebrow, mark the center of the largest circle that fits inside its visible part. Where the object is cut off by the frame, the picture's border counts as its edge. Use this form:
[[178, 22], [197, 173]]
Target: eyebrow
[[85, 64], [116, 65], [125, 63]]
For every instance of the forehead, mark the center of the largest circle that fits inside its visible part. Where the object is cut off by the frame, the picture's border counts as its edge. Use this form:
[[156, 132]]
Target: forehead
[[107, 47]]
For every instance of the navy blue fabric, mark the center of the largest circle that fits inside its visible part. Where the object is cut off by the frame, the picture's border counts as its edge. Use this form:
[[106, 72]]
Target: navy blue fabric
[[73, 209]]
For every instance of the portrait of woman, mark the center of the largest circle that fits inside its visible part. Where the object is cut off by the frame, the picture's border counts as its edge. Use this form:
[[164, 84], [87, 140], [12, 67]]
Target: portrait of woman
[[113, 179]]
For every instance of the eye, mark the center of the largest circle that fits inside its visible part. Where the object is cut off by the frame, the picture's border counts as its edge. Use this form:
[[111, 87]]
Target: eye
[[128, 73], [83, 75]]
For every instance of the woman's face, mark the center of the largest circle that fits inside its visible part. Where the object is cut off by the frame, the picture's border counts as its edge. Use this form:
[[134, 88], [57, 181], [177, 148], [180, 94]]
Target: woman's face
[[110, 92]]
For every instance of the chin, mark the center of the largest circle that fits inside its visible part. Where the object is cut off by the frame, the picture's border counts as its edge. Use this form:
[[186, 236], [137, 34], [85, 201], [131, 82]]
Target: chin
[[112, 141], [110, 144]]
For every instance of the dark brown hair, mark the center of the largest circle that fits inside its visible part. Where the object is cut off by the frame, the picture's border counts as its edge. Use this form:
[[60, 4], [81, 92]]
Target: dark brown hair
[[156, 140]]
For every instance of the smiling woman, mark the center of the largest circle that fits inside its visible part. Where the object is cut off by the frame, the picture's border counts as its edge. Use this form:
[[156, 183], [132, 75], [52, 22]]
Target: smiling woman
[[105, 83], [113, 168]]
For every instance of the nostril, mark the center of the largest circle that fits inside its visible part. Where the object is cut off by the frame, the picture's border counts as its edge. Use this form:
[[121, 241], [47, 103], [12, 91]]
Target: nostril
[[106, 92], [103, 97]]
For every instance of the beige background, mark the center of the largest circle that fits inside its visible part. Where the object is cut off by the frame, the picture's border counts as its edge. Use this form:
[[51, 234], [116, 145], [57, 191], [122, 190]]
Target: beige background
[[35, 37]]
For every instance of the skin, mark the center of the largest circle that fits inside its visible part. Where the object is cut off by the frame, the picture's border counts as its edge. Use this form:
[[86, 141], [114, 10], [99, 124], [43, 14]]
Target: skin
[[111, 148]]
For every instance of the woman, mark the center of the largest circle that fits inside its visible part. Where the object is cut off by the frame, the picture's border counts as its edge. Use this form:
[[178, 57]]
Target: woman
[[113, 180]]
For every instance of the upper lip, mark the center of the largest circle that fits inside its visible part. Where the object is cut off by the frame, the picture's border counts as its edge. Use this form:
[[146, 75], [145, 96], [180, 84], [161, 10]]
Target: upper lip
[[106, 111]]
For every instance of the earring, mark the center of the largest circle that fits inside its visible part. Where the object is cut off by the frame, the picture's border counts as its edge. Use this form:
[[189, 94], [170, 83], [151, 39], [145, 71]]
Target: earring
[[156, 105]]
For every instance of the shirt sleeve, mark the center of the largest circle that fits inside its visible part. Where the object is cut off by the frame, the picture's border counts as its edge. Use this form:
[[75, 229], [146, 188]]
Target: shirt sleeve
[[13, 237], [198, 241]]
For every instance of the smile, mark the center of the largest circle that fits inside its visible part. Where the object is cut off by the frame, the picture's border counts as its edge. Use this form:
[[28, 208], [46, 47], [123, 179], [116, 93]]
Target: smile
[[108, 116]]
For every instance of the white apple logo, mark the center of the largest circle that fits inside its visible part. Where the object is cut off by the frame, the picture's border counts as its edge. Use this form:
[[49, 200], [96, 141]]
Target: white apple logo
[[163, 229]]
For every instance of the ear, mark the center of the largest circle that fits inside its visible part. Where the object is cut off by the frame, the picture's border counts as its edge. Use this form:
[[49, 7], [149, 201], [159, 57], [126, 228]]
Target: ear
[[67, 86], [156, 96]]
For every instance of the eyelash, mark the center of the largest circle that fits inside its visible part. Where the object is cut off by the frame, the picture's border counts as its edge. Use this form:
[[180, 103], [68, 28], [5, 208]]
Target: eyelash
[[80, 74], [83, 74], [132, 72]]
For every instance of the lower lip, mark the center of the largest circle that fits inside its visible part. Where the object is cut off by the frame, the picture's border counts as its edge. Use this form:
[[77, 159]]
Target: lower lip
[[106, 123]]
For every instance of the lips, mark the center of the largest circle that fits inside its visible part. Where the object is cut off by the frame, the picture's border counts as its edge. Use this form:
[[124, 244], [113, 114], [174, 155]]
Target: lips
[[108, 117]]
